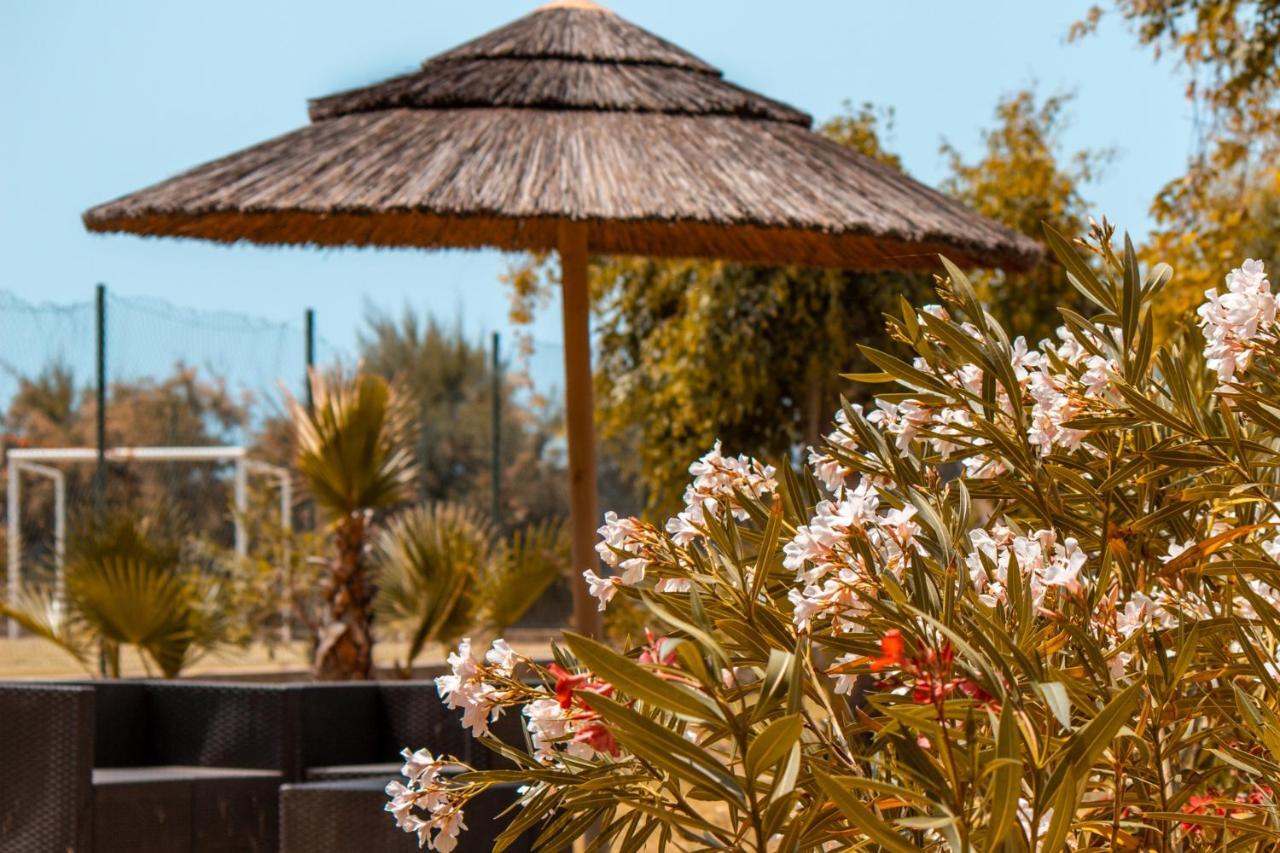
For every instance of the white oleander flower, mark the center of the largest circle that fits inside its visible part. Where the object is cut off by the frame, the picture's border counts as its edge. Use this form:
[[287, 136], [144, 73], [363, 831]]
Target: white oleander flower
[[603, 588], [1042, 560], [427, 804], [845, 681], [716, 481], [1231, 321], [829, 470], [502, 657], [463, 689]]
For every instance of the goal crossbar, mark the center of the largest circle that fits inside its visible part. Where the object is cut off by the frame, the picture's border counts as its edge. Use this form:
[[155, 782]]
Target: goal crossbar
[[35, 460]]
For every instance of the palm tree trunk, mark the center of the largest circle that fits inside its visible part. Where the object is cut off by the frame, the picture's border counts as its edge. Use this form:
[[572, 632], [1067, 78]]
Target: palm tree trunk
[[344, 650]]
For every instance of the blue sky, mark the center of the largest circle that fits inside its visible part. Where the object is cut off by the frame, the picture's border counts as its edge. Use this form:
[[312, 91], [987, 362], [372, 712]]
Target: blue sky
[[104, 98]]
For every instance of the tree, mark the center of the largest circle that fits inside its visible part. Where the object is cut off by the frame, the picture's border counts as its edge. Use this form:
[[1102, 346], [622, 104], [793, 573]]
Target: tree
[[447, 381], [1231, 48], [1226, 206], [1023, 181], [185, 408], [352, 457], [694, 351]]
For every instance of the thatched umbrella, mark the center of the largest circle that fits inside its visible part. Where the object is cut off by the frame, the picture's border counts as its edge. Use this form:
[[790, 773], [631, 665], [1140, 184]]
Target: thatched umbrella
[[572, 130]]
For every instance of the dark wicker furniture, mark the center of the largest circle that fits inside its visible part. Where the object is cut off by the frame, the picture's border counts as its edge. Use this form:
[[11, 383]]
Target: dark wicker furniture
[[175, 766], [344, 816]]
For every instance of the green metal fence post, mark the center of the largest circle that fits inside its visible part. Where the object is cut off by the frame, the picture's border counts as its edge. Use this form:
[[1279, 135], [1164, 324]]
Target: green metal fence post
[[496, 429], [100, 471], [309, 326]]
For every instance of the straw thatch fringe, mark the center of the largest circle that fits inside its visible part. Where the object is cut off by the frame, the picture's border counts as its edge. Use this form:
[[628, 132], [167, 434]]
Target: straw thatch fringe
[[506, 170], [559, 84], [594, 35], [407, 229]]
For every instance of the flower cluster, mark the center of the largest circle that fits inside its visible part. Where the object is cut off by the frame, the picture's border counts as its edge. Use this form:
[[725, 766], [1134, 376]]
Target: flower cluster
[[1067, 379], [930, 673], [468, 686], [829, 470], [559, 721], [627, 546], [429, 793], [630, 546], [1231, 321], [833, 576], [1212, 802], [717, 481], [1060, 379], [571, 721], [1042, 562]]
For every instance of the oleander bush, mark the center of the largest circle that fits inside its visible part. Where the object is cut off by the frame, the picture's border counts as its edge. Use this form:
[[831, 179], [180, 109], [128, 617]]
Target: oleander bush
[[1028, 600]]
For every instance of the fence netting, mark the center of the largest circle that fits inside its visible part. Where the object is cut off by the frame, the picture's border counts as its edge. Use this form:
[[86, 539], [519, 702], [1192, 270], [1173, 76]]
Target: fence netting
[[178, 378]]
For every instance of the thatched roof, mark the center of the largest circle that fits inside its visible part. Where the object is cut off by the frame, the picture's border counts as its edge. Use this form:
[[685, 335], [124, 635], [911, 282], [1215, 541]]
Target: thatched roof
[[568, 113]]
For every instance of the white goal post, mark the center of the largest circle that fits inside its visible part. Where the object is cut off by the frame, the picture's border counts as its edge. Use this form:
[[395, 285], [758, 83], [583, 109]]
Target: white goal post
[[37, 461]]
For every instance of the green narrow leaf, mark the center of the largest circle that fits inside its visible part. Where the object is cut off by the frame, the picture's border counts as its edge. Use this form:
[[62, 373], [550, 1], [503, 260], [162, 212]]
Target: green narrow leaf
[[665, 748], [1064, 810], [1055, 696], [1079, 272], [776, 681], [768, 546], [1129, 295], [785, 782], [905, 373], [773, 743], [1084, 748], [859, 816], [1003, 790], [639, 683]]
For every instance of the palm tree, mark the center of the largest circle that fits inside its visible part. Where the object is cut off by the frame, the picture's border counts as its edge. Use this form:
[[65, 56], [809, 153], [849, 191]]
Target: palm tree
[[352, 457]]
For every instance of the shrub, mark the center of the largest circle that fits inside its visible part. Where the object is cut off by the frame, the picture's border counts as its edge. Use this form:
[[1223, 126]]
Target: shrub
[[443, 570], [127, 583], [1027, 601]]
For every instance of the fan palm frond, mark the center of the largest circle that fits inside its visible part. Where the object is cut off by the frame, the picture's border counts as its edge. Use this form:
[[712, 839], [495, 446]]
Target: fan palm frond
[[523, 568], [41, 614], [427, 562], [444, 571], [127, 601]]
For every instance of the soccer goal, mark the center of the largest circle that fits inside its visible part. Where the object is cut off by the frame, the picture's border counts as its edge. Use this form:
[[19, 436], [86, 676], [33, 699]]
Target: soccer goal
[[42, 462]]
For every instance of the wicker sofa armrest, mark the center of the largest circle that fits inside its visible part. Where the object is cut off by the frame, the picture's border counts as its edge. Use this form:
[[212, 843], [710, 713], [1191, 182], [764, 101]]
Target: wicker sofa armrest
[[46, 767], [214, 724]]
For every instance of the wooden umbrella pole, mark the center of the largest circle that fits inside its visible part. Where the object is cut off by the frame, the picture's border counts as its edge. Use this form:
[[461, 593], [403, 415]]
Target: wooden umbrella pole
[[580, 419]]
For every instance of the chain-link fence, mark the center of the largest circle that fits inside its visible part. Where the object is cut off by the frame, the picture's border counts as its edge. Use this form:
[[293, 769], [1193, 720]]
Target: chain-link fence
[[123, 414], [175, 419]]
